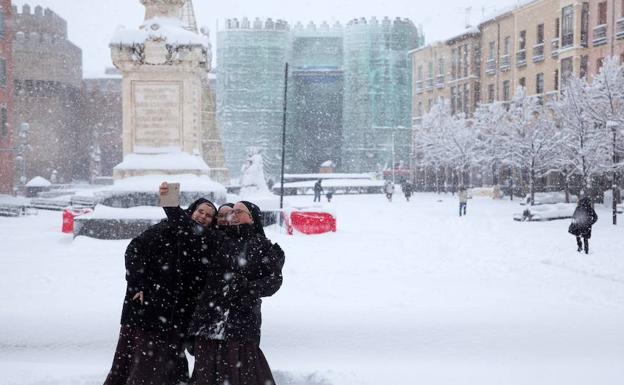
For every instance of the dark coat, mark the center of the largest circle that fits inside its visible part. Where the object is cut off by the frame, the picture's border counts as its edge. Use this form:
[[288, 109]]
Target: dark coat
[[583, 219], [169, 267], [245, 267]]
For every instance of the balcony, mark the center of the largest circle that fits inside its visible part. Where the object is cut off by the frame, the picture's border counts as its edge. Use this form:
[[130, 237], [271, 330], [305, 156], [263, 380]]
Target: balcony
[[505, 63], [490, 67], [439, 81], [619, 29], [600, 35], [429, 84], [418, 87], [538, 52], [567, 40], [554, 48], [521, 58]]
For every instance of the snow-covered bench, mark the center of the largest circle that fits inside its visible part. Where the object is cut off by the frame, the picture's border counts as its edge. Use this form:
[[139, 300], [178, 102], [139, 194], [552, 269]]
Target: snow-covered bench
[[546, 212]]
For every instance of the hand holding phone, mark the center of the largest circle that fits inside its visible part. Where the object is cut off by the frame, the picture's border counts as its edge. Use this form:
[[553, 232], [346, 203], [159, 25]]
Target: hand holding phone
[[169, 194]]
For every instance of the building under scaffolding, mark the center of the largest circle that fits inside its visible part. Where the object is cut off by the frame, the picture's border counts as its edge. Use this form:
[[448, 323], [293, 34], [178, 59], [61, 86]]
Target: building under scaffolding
[[377, 92], [349, 90], [251, 56]]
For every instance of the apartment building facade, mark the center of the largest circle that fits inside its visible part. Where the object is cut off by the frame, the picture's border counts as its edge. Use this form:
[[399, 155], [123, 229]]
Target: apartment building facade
[[535, 45]]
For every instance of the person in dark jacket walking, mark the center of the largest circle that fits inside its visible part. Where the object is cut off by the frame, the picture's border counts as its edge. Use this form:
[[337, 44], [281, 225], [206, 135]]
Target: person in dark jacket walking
[[318, 190], [583, 219], [163, 283], [227, 319], [407, 190]]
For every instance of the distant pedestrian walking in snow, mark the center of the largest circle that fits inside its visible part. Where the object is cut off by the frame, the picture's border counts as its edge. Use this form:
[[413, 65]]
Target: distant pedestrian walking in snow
[[407, 190], [389, 190], [583, 219], [329, 195], [318, 190], [462, 194]]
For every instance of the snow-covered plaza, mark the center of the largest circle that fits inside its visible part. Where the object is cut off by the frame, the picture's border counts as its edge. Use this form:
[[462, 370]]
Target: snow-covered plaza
[[402, 293]]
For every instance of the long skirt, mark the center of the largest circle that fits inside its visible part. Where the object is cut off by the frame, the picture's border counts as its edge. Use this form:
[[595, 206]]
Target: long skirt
[[230, 362], [148, 358]]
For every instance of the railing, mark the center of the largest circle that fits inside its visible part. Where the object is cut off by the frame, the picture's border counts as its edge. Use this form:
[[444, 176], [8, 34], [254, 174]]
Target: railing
[[538, 52], [419, 86], [490, 67], [439, 81], [567, 40], [554, 48], [600, 35], [521, 58], [505, 62], [429, 84], [619, 29]]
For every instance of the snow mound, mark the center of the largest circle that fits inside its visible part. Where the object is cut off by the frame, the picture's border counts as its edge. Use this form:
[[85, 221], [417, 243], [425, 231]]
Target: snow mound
[[38, 181]]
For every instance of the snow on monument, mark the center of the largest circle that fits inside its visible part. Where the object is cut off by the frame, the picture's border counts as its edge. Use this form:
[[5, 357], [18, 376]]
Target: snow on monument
[[163, 63]]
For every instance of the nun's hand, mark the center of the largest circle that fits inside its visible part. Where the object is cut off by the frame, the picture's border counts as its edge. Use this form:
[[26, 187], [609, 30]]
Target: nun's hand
[[163, 189], [138, 296]]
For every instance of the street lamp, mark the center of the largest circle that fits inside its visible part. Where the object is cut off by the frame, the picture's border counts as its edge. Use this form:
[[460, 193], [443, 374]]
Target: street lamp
[[613, 126]]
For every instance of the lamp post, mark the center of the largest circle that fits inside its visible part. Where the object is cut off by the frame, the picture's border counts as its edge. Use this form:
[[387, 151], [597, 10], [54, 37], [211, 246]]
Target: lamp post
[[613, 126]]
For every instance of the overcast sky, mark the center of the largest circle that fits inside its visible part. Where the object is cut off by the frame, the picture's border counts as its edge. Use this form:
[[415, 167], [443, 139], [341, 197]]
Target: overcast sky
[[92, 22]]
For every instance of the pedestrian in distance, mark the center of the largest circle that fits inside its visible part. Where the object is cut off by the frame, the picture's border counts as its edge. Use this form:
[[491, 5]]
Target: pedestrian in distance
[[407, 190], [318, 190], [329, 195], [462, 194], [164, 279], [389, 190], [583, 219]]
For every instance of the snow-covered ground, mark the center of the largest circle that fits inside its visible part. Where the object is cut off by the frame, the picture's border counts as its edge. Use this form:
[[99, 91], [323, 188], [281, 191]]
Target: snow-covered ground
[[402, 293]]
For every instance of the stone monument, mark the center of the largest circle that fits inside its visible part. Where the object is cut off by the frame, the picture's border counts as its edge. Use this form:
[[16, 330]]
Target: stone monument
[[163, 64]]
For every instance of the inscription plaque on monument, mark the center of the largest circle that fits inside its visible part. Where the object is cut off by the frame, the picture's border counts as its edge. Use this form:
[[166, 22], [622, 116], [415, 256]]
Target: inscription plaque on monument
[[157, 115]]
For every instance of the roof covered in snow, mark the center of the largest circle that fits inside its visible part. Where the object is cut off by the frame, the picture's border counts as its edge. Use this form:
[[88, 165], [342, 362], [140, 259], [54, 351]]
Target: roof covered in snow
[[178, 160], [38, 181]]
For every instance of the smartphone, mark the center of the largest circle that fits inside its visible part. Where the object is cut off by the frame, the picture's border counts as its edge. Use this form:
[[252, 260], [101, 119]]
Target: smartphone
[[172, 198]]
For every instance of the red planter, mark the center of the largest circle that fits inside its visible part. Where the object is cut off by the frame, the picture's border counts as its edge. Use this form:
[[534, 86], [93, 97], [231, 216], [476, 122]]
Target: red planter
[[313, 222]]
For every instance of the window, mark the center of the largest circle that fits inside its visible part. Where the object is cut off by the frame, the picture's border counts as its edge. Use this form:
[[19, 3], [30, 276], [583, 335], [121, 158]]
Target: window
[[522, 40], [540, 34], [584, 24], [558, 26], [583, 69], [522, 82], [452, 100], [4, 122], [567, 28], [429, 104], [602, 13], [507, 45], [622, 56], [506, 90], [441, 67], [477, 94], [567, 69], [453, 63], [539, 83], [491, 51], [430, 70], [465, 64], [599, 63], [459, 99], [419, 110], [420, 73], [2, 24], [3, 73], [466, 97], [490, 93], [556, 80]]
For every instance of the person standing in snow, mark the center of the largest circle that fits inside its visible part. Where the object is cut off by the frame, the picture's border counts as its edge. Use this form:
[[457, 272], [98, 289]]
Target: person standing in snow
[[329, 195], [318, 190], [164, 280], [389, 190], [407, 190], [583, 219], [226, 322], [462, 194]]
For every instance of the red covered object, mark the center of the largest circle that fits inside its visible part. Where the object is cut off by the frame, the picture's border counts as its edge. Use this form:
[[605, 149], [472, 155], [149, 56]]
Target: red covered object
[[313, 222], [68, 218]]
